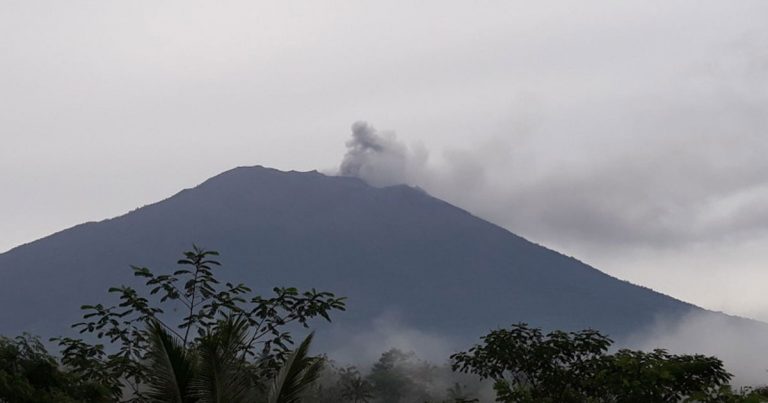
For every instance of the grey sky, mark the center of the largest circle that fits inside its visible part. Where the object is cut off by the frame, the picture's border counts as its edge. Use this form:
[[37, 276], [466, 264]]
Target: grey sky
[[630, 134]]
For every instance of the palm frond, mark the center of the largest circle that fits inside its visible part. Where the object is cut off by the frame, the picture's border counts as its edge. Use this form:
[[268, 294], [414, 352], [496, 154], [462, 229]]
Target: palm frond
[[298, 373], [222, 374], [171, 366]]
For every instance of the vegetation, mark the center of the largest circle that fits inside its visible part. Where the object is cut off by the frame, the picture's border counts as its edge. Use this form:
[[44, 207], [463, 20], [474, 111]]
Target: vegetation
[[528, 366], [396, 377], [28, 374], [228, 345]]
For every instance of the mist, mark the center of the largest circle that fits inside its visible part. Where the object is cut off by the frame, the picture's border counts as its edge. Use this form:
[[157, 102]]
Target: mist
[[739, 343], [362, 347]]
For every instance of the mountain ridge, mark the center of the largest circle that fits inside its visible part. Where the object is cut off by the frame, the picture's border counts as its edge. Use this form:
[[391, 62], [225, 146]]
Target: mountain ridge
[[393, 248]]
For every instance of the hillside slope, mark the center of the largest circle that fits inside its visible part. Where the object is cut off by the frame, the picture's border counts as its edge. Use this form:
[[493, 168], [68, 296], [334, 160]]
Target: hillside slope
[[393, 249]]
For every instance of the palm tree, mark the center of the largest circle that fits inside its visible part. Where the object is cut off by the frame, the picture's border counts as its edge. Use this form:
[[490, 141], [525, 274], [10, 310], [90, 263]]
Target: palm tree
[[222, 374], [212, 371], [299, 372], [357, 389], [172, 367]]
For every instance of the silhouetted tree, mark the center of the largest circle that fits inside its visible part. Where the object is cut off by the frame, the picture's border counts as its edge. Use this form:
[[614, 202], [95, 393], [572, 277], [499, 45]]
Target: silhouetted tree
[[223, 328], [28, 374], [528, 366]]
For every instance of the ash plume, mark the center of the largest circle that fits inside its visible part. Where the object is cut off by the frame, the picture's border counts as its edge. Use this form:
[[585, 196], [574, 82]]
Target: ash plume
[[379, 158]]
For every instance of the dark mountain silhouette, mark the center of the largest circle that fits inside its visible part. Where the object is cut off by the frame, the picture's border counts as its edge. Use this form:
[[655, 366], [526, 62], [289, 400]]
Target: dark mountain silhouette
[[393, 249]]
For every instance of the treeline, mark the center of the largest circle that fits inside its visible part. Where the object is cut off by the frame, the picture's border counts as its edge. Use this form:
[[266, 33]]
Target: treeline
[[229, 345], [397, 377], [523, 364]]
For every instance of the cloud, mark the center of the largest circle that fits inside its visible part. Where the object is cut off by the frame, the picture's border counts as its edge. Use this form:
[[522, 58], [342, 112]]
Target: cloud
[[678, 161], [740, 343], [674, 179], [663, 185], [363, 347], [426, 360]]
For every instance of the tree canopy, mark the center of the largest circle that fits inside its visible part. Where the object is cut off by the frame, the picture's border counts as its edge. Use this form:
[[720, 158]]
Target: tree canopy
[[527, 365], [226, 340]]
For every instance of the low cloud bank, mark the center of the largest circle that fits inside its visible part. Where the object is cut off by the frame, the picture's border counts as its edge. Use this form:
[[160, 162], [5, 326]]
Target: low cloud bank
[[741, 344], [362, 347], [412, 363]]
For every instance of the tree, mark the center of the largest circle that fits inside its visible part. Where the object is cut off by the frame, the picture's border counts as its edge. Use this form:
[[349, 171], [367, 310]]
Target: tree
[[212, 371], [215, 372], [344, 384], [528, 366], [354, 387], [222, 327], [298, 373], [399, 377], [658, 376], [28, 374]]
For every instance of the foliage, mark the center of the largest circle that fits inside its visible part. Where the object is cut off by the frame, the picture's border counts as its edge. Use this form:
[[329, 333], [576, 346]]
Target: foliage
[[172, 366], [28, 374], [529, 366], [214, 371], [354, 387], [221, 325], [395, 377], [659, 376], [298, 373], [341, 385]]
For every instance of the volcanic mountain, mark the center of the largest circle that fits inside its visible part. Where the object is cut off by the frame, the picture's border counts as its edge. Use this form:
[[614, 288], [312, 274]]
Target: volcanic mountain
[[389, 250]]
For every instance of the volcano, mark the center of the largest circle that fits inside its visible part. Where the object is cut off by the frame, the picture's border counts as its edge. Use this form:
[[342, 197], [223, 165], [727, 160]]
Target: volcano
[[389, 250]]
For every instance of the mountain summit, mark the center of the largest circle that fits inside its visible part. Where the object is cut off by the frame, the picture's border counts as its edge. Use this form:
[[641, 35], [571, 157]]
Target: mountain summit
[[389, 250]]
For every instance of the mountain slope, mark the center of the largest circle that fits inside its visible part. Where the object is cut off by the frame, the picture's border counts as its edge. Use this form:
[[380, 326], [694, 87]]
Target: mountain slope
[[393, 249]]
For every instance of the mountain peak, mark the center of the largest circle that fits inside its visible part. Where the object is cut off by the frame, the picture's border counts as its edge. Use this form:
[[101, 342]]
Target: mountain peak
[[391, 249]]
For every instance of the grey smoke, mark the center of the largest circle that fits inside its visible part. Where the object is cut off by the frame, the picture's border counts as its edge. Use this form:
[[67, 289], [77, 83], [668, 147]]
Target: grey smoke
[[379, 158], [660, 195], [678, 163], [649, 192], [364, 144]]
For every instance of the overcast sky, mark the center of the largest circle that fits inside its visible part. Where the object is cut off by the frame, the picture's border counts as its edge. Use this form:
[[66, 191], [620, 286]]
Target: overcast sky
[[632, 135]]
